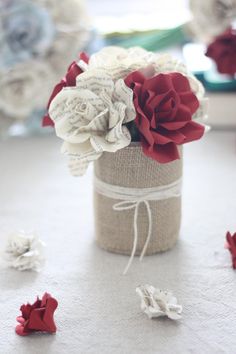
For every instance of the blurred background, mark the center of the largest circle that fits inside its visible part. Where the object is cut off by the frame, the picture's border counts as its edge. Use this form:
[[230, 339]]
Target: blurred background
[[40, 38]]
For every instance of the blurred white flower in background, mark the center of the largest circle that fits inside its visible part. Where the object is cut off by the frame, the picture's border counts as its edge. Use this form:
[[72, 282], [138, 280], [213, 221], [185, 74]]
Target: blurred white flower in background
[[22, 86], [38, 38], [211, 17], [24, 251], [27, 30]]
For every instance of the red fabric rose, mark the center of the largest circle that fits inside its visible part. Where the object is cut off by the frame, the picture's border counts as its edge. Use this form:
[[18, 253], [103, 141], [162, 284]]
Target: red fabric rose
[[37, 317], [223, 52], [231, 245], [164, 105], [69, 80]]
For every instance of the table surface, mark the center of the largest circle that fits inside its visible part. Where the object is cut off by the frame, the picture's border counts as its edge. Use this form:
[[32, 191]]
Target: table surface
[[99, 311]]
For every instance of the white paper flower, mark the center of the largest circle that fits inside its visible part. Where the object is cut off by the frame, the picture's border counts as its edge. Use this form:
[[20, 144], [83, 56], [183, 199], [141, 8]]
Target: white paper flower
[[24, 251], [90, 117], [120, 61], [22, 86], [158, 303], [211, 17]]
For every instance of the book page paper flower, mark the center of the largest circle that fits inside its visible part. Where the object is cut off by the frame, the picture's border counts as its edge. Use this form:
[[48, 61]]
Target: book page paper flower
[[158, 303], [69, 80], [120, 61], [90, 117], [37, 317], [24, 251]]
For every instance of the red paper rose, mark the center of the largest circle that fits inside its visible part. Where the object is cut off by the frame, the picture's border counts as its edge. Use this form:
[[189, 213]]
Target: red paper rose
[[231, 245], [69, 80], [223, 52], [37, 317], [164, 105]]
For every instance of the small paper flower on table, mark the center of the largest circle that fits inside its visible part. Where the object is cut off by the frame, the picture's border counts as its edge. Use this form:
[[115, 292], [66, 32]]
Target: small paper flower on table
[[158, 303], [37, 317], [24, 251], [223, 51], [231, 245]]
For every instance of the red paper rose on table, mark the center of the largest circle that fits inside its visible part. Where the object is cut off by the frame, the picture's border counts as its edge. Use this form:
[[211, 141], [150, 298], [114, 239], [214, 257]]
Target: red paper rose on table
[[37, 317], [69, 80], [223, 52], [165, 105], [231, 245]]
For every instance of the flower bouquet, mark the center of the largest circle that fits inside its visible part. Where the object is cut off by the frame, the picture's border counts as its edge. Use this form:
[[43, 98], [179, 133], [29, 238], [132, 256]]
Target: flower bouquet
[[130, 111], [38, 38]]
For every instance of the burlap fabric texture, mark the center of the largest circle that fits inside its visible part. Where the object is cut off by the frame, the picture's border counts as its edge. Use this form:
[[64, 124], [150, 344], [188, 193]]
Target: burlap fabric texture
[[129, 167]]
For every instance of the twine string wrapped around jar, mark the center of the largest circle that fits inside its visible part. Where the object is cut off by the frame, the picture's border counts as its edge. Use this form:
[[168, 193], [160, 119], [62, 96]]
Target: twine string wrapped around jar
[[132, 198]]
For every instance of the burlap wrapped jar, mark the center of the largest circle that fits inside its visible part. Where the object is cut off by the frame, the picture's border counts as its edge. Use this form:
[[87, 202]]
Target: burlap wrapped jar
[[114, 229]]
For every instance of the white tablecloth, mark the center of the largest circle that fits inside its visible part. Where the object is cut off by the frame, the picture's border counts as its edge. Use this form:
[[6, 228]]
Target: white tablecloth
[[99, 311]]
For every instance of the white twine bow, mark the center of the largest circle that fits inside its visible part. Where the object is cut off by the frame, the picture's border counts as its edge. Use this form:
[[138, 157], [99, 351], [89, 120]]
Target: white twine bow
[[126, 205], [132, 198]]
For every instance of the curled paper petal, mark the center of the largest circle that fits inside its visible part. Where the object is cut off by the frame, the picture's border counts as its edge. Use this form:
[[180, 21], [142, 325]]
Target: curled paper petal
[[37, 317], [231, 246], [24, 251], [158, 303]]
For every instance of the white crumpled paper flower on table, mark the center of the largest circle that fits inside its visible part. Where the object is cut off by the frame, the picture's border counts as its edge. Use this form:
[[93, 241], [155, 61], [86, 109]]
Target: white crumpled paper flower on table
[[158, 303], [90, 117], [24, 251]]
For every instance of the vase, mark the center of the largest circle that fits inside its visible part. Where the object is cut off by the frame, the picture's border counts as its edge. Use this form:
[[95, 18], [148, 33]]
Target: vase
[[156, 209]]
